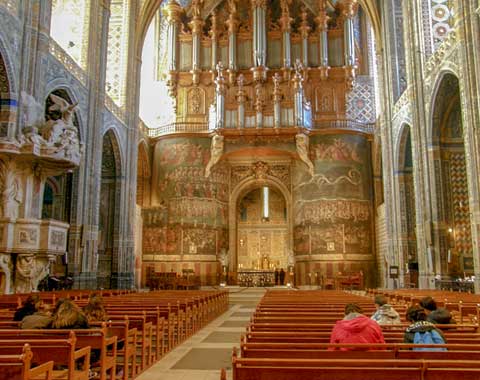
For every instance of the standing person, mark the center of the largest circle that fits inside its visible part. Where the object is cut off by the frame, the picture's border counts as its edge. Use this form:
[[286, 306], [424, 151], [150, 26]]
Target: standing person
[[277, 274], [356, 328], [282, 276], [435, 314], [385, 314], [30, 306], [422, 331]]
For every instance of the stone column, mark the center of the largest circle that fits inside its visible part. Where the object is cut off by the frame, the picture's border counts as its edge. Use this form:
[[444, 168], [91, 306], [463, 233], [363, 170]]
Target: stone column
[[468, 26], [413, 35], [297, 83], [322, 26], [349, 10], [86, 263]]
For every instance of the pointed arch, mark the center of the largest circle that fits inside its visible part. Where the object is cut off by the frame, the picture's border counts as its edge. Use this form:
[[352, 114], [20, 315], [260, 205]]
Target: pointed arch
[[8, 100]]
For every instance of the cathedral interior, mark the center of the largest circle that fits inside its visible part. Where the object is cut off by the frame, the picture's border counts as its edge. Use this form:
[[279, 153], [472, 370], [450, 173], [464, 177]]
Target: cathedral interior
[[221, 141]]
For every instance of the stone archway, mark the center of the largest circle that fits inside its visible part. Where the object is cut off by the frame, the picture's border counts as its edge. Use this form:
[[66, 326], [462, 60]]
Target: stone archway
[[257, 179], [407, 236], [452, 237]]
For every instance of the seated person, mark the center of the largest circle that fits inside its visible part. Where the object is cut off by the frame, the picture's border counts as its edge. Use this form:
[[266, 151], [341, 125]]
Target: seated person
[[94, 310], [385, 314], [30, 305], [420, 326], [356, 328], [41, 319], [438, 315], [67, 315]]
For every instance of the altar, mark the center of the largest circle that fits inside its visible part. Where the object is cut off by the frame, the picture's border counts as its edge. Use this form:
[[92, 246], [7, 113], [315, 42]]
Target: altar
[[250, 278]]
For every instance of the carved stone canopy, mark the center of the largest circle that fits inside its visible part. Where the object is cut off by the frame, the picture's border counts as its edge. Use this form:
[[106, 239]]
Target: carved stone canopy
[[260, 169]]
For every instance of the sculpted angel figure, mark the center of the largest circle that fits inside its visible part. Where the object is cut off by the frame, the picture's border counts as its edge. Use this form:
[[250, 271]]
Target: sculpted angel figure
[[302, 150], [216, 151], [54, 128]]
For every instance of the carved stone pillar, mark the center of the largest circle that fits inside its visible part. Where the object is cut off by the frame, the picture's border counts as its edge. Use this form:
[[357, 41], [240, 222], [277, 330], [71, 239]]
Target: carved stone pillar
[[349, 10], [322, 23]]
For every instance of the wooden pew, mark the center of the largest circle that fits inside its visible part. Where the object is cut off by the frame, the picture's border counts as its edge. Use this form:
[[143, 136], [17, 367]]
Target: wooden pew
[[15, 366]]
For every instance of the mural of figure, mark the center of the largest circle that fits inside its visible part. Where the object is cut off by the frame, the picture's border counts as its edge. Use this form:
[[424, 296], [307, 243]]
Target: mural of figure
[[302, 150], [216, 153]]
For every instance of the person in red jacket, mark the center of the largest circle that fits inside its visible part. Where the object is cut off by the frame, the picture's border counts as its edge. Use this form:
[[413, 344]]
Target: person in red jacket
[[356, 328]]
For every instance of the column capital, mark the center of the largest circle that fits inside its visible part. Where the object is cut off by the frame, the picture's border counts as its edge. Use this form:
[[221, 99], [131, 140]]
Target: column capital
[[304, 27], [172, 11], [349, 8], [259, 4]]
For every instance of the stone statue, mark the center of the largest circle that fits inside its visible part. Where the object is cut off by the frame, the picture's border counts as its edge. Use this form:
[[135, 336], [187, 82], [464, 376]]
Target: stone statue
[[34, 112], [10, 190], [6, 267], [216, 151], [290, 258], [60, 134], [54, 128], [302, 150]]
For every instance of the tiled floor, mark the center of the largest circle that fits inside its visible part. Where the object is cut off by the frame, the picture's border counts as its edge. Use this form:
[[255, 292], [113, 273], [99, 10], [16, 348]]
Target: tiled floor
[[203, 355]]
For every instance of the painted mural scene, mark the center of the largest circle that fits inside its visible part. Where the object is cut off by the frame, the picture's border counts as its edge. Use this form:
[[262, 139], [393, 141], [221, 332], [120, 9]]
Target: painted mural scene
[[299, 179]]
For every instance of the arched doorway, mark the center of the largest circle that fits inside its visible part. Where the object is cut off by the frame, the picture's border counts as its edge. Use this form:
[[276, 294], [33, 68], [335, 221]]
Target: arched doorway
[[260, 231], [407, 230], [450, 205], [262, 241], [108, 222]]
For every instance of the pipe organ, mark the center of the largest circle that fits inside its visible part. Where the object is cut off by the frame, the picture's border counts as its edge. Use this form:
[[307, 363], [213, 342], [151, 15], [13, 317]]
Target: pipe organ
[[261, 63]]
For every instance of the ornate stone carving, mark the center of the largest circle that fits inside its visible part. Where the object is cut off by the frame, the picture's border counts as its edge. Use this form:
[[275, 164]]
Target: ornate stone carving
[[302, 150], [10, 190], [33, 111], [6, 267], [29, 272], [216, 152], [260, 169]]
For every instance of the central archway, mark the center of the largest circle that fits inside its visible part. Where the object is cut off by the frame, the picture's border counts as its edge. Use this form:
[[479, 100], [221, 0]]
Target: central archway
[[246, 186]]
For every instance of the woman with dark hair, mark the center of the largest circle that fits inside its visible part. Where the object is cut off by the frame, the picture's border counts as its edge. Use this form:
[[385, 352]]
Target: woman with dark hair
[[356, 328], [30, 306], [415, 333], [67, 315]]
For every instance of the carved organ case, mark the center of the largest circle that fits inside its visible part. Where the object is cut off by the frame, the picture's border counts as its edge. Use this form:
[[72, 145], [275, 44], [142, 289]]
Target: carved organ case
[[261, 63]]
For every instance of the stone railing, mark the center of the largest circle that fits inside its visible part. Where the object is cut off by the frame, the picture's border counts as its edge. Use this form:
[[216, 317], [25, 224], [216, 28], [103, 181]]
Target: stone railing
[[57, 51], [177, 127], [348, 125], [186, 127], [115, 109], [402, 101]]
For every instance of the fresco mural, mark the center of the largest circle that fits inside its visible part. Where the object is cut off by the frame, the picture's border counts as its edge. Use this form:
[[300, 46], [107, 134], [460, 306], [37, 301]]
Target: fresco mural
[[189, 212], [332, 208]]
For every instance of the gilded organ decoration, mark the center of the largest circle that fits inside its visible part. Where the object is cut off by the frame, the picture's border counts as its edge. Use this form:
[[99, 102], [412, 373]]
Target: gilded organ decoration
[[245, 37]]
